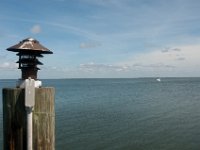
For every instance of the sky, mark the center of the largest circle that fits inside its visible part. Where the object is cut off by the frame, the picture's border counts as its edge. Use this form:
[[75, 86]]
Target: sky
[[104, 38]]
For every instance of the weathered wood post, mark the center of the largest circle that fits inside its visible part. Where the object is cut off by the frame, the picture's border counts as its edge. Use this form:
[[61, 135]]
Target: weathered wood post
[[14, 110]]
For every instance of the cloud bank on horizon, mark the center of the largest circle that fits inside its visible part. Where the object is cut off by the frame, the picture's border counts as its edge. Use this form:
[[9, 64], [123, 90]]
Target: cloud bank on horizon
[[98, 38]]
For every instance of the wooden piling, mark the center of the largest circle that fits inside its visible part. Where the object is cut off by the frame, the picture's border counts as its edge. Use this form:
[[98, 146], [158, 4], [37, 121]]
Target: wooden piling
[[14, 119]]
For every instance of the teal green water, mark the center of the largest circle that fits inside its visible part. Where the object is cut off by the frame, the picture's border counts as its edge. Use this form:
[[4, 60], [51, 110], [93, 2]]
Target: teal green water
[[125, 114]]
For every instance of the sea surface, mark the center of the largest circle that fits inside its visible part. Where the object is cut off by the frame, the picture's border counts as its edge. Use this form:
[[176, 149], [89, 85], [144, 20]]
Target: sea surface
[[124, 114]]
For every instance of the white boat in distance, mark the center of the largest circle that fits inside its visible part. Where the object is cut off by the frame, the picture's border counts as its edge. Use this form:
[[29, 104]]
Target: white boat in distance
[[158, 79]]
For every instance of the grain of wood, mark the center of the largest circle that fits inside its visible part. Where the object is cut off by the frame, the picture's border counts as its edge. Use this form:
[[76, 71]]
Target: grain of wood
[[14, 119]]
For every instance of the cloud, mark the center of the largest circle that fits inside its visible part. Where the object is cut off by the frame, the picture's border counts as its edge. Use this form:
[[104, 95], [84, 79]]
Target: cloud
[[185, 58], [158, 65], [181, 58], [176, 49], [168, 49], [3, 56], [8, 66], [57, 24], [154, 58], [90, 44], [165, 50], [93, 67], [55, 68], [36, 29]]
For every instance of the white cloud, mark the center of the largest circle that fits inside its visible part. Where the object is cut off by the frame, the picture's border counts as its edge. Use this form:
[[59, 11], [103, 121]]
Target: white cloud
[[123, 70], [93, 67], [3, 56], [89, 44], [167, 49], [8, 66], [181, 60], [36, 29], [171, 61]]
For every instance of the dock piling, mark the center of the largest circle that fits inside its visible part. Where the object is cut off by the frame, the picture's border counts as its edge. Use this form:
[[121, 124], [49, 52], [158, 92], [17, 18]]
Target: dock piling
[[17, 121]]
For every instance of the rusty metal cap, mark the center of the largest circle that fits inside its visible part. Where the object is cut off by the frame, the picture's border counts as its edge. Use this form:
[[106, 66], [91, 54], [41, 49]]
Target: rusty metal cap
[[29, 45]]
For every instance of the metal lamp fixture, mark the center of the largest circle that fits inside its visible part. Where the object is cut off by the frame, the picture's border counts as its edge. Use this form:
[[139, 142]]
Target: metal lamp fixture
[[29, 50]]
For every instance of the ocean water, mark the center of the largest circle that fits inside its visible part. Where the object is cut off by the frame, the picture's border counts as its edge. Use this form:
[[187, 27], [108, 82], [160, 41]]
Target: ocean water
[[124, 114]]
